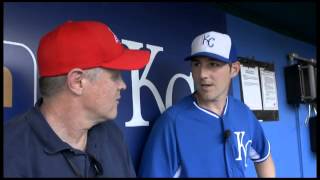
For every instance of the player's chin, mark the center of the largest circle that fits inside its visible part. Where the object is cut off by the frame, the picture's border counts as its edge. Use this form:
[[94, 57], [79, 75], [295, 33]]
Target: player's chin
[[208, 96], [205, 92]]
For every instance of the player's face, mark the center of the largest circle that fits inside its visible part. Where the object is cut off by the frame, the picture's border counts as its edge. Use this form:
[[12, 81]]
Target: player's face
[[103, 95], [211, 78]]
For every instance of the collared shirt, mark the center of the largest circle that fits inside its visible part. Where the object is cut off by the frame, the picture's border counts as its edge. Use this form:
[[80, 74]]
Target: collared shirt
[[32, 149]]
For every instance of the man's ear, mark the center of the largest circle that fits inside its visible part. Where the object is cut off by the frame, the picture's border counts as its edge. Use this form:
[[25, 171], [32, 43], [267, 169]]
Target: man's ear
[[75, 80], [235, 68]]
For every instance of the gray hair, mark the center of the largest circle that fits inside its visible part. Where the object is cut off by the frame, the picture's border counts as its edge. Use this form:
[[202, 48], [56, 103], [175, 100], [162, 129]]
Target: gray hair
[[49, 86]]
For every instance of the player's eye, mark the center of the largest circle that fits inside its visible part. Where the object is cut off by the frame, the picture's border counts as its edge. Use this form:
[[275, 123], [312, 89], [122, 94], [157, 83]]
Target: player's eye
[[195, 64], [215, 65]]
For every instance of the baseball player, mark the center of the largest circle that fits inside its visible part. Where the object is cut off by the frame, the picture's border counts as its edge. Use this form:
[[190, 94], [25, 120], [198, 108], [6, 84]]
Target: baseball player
[[208, 133]]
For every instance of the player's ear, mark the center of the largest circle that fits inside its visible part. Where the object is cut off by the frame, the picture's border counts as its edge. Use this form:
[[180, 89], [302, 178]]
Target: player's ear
[[235, 68]]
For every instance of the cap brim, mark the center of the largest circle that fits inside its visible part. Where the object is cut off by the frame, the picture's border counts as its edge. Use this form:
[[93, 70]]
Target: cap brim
[[209, 55], [129, 60]]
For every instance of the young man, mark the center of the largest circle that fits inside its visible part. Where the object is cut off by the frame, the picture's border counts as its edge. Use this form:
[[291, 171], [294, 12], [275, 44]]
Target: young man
[[208, 134], [69, 132]]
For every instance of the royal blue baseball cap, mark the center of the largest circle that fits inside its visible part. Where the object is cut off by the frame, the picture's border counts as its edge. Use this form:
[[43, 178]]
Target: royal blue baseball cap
[[215, 45]]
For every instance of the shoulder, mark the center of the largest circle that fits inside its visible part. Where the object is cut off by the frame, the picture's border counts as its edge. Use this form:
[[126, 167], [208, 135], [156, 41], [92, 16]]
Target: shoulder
[[169, 118], [240, 114], [108, 125], [16, 142], [236, 106], [180, 108], [233, 102], [15, 130], [108, 130]]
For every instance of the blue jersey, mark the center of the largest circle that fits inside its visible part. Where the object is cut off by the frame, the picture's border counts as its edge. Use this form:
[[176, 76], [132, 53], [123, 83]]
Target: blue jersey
[[190, 141]]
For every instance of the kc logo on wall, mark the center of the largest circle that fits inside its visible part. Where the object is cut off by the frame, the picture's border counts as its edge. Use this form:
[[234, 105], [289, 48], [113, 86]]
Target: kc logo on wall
[[165, 80]]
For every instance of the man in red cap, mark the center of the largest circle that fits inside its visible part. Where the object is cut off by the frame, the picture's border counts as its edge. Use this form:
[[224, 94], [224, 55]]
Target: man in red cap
[[69, 132]]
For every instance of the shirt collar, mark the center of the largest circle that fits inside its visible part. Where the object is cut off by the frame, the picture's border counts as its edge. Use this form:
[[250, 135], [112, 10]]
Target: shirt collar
[[225, 108], [52, 143]]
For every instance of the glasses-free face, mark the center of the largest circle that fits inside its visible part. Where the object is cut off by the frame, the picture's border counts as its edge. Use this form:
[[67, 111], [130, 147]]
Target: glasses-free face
[[211, 78], [102, 95]]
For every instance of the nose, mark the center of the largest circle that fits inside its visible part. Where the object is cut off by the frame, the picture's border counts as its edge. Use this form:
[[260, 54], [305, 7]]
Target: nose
[[203, 72]]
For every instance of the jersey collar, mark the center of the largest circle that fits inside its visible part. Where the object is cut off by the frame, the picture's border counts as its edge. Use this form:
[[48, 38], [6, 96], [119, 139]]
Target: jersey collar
[[210, 112]]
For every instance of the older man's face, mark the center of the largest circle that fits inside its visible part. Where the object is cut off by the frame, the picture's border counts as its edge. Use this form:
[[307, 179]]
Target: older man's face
[[103, 95]]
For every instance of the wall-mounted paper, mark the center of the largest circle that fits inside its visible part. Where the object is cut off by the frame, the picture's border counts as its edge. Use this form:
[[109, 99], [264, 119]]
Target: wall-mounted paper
[[269, 89], [251, 87]]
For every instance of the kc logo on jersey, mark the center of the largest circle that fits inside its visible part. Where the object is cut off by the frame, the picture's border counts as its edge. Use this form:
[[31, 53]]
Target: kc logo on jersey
[[242, 147]]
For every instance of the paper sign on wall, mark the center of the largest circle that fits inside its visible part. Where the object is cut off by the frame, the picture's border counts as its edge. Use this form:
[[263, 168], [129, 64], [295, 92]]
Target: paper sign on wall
[[259, 89], [251, 87], [269, 89]]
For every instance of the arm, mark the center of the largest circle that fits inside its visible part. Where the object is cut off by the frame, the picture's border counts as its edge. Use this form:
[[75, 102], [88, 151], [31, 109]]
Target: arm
[[265, 168]]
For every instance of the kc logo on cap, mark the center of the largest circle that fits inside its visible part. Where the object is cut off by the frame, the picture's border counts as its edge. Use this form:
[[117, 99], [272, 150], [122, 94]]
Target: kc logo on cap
[[215, 45], [208, 41]]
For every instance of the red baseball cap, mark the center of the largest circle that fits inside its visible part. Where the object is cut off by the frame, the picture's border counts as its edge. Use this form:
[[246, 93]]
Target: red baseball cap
[[85, 45]]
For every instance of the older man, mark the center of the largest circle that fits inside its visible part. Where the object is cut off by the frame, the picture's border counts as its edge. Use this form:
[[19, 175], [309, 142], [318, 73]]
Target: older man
[[68, 133]]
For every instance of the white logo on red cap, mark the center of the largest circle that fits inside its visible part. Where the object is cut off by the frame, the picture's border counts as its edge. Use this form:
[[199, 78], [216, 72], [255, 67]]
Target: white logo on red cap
[[115, 37]]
